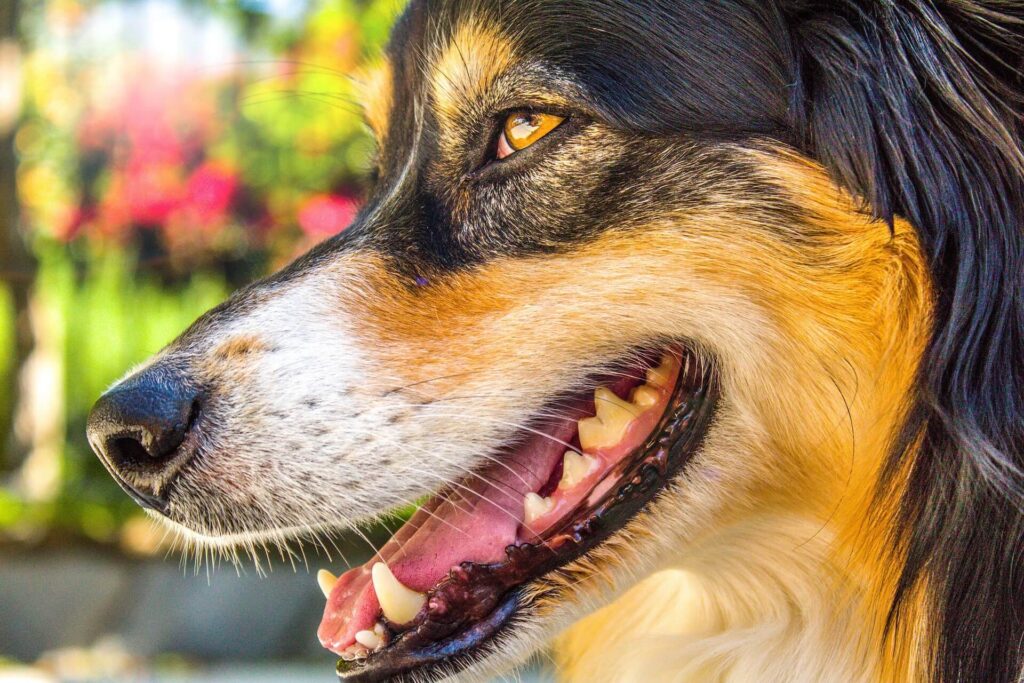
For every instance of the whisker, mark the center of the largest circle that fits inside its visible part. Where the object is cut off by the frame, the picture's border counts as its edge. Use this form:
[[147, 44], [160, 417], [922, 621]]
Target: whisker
[[462, 468], [482, 497], [515, 425], [411, 385], [283, 95]]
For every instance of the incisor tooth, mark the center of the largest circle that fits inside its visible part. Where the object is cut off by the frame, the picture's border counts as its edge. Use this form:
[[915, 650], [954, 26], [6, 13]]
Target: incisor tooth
[[326, 581], [354, 652], [368, 639], [575, 467], [535, 507], [398, 602], [645, 396], [659, 376], [609, 425]]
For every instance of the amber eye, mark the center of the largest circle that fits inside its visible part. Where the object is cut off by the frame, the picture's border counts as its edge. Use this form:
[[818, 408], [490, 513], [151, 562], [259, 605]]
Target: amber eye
[[522, 129]]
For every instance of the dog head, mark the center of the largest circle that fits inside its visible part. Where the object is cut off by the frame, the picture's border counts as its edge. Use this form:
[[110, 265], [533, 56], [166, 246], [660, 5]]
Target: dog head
[[629, 275]]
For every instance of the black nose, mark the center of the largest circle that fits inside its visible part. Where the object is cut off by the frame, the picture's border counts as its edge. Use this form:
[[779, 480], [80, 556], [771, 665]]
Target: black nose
[[139, 430]]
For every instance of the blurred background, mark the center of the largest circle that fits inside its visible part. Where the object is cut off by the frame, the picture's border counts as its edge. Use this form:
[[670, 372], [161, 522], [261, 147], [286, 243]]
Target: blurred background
[[154, 155]]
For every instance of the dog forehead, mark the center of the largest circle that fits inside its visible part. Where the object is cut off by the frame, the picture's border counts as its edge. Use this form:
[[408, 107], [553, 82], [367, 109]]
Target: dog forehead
[[453, 67], [442, 56], [657, 65]]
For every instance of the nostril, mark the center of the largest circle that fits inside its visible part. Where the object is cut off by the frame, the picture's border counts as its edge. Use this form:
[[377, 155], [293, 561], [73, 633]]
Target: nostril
[[130, 452], [139, 429], [144, 444]]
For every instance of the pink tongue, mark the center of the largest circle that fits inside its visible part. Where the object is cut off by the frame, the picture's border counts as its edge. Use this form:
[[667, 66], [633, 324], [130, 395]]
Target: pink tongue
[[474, 522]]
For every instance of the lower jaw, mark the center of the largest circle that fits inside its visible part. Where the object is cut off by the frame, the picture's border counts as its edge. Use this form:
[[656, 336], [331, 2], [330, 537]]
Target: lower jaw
[[476, 603]]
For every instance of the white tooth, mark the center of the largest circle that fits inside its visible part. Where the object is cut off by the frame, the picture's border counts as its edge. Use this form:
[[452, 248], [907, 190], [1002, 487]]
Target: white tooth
[[645, 396], [535, 507], [399, 603], [659, 376], [378, 628], [609, 425], [368, 639], [575, 468], [326, 581]]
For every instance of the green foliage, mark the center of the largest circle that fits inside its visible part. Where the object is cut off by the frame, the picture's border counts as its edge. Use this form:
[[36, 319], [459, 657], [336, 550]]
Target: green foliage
[[215, 173], [115, 316]]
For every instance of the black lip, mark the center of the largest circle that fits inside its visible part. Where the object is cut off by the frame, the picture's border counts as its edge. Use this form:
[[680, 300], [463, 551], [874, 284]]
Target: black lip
[[476, 602], [146, 500]]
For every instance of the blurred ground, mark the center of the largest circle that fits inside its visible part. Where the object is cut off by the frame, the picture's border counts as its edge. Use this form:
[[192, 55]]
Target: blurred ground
[[236, 673], [79, 615]]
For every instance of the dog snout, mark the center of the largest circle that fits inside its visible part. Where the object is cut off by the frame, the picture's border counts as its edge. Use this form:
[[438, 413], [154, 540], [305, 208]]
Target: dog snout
[[140, 431]]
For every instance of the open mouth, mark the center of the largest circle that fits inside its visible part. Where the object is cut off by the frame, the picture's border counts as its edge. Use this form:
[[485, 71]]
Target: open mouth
[[453, 576]]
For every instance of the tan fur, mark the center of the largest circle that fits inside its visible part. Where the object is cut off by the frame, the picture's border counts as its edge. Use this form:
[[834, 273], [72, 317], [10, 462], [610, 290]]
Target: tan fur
[[771, 537], [239, 346], [374, 84], [847, 558], [467, 66], [818, 345]]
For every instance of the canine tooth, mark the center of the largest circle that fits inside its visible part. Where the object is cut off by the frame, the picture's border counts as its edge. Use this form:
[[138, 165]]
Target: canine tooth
[[575, 467], [326, 581], [645, 396], [535, 507], [368, 639], [609, 425], [659, 376], [399, 603]]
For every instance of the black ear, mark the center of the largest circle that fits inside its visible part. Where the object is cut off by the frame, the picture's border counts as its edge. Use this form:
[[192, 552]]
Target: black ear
[[916, 106]]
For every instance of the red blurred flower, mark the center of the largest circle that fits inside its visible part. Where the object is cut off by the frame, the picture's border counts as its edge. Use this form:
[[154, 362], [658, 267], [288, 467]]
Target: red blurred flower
[[323, 215], [152, 191], [149, 133]]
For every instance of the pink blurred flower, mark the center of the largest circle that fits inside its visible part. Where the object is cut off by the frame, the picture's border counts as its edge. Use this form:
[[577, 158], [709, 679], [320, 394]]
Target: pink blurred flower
[[139, 196], [323, 215], [208, 194]]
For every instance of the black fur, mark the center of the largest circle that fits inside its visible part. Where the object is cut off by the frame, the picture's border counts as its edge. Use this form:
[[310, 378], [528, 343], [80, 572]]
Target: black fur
[[916, 107]]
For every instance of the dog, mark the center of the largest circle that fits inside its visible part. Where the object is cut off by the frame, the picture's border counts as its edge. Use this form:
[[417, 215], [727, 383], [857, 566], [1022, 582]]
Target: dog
[[698, 326]]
